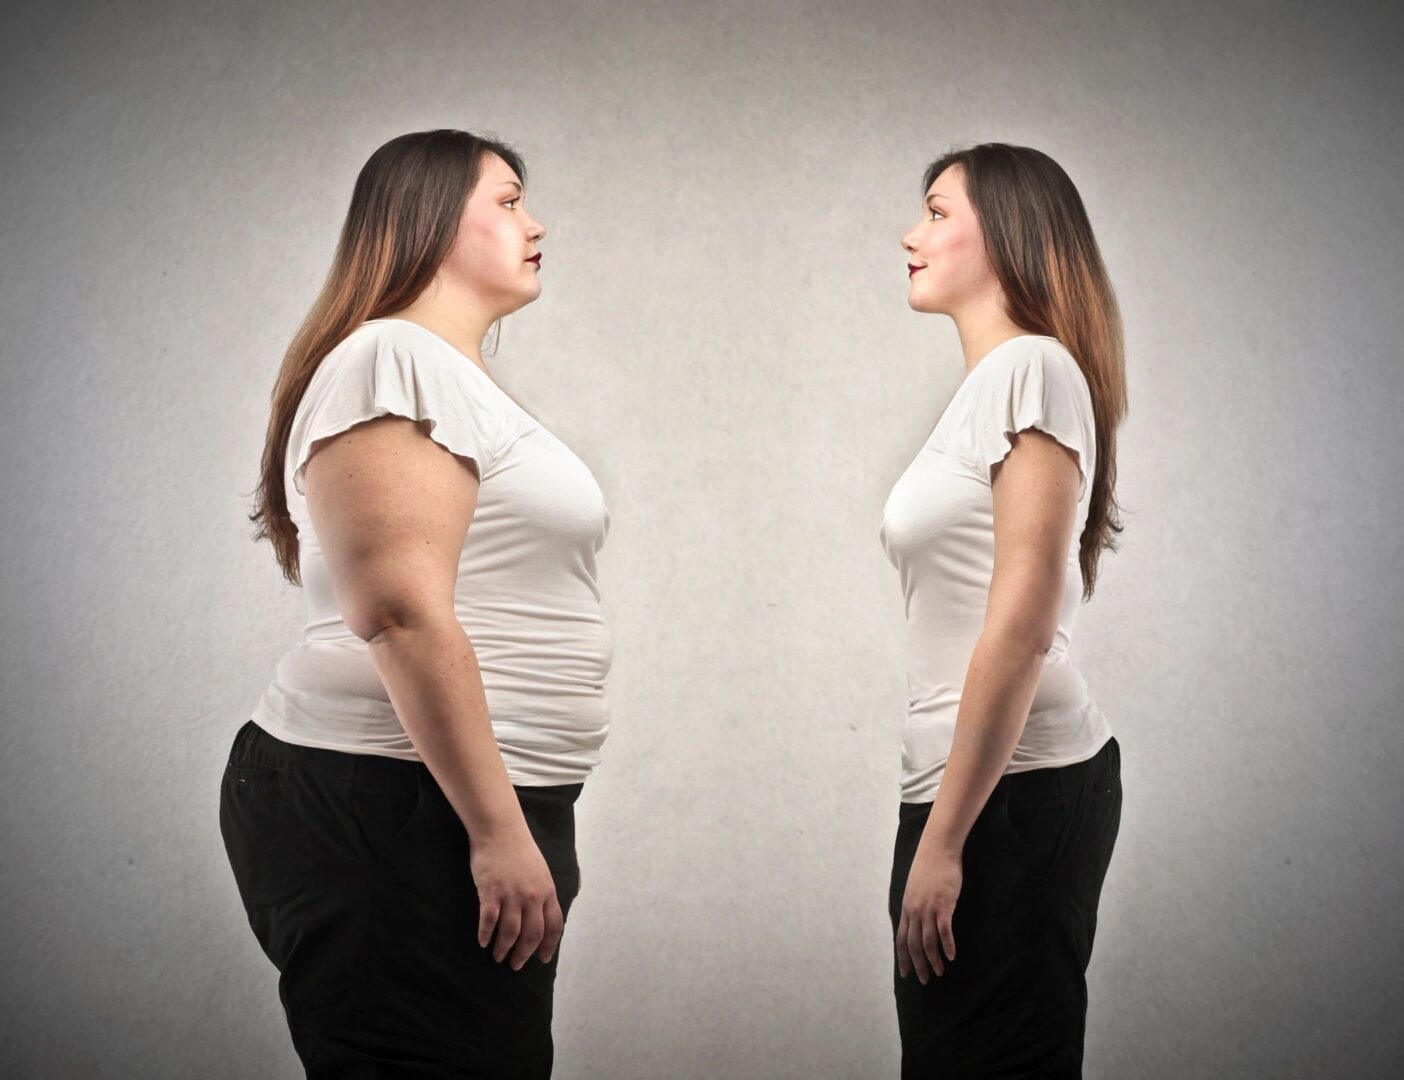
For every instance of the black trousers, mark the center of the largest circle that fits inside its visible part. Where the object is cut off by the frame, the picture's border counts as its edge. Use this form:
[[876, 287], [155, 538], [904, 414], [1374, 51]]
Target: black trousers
[[353, 869], [1013, 1003]]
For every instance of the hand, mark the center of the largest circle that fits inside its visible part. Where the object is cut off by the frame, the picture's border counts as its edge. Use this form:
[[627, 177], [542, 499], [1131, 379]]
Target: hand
[[517, 896], [924, 929]]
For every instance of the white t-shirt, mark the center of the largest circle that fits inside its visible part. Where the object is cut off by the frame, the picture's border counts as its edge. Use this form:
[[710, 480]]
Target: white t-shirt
[[526, 594], [938, 530]]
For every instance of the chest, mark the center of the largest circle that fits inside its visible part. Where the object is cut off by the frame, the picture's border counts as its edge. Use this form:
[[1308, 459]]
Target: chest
[[540, 490], [939, 500]]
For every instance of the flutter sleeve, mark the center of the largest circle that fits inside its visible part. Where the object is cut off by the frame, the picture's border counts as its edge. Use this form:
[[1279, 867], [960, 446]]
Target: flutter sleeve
[[1033, 386], [382, 375]]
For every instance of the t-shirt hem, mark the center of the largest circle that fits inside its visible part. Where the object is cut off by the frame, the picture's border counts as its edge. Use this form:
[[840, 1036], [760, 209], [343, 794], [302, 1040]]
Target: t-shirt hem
[[272, 727], [278, 731], [1012, 769]]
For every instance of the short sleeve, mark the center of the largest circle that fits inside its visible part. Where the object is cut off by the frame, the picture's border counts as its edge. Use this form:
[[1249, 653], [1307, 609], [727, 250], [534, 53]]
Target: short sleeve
[[382, 374], [1034, 385]]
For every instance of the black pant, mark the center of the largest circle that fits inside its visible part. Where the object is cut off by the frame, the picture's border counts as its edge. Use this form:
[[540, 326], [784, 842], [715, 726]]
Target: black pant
[[1013, 1003], [353, 869]]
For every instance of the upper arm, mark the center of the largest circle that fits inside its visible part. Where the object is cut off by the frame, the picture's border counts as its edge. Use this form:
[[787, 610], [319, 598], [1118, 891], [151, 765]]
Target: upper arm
[[391, 508], [1035, 490], [1032, 436]]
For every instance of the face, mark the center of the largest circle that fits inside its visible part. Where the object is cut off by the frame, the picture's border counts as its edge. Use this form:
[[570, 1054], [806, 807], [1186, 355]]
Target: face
[[949, 249], [496, 238]]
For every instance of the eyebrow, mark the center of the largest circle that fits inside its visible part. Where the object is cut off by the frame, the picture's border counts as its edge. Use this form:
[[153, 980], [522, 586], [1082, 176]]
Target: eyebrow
[[512, 182], [935, 195]]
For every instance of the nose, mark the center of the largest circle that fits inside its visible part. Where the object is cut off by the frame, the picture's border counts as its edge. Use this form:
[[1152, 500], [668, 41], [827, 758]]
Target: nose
[[538, 230], [908, 245]]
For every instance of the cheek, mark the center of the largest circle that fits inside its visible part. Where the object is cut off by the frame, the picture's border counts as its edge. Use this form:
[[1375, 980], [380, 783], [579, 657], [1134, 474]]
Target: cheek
[[485, 249], [958, 258], [490, 237]]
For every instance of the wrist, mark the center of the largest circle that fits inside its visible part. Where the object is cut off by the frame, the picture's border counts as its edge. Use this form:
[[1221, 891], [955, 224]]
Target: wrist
[[938, 842], [506, 827]]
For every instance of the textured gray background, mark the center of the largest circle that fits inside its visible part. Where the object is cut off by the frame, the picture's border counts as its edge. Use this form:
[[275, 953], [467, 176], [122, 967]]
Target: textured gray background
[[724, 338]]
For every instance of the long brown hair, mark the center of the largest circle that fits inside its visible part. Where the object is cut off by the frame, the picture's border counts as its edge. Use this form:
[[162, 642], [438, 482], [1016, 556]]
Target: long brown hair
[[403, 218], [1042, 251]]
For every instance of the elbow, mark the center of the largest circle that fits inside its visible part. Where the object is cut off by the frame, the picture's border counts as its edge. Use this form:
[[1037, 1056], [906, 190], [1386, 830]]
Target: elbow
[[381, 624], [377, 631], [1027, 637], [1025, 605], [379, 602]]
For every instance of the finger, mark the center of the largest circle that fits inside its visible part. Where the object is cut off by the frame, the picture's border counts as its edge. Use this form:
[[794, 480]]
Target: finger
[[533, 926], [488, 911], [904, 962], [929, 945], [509, 925], [914, 947], [944, 924], [555, 926]]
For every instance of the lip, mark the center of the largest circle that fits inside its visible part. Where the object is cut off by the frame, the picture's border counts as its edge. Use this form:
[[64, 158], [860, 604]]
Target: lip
[[913, 269], [536, 259]]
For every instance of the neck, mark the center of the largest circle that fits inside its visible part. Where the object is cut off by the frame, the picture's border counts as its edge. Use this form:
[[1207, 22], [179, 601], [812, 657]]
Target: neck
[[983, 326], [459, 319]]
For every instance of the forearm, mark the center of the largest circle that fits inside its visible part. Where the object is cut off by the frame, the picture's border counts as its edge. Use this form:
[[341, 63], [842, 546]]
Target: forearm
[[994, 706], [431, 675]]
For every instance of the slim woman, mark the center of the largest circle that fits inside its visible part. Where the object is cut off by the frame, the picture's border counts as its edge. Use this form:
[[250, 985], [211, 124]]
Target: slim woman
[[1011, 781], [398, 812]]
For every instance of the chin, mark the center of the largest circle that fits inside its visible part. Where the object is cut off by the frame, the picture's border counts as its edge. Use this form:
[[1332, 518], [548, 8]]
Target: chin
[[523, 300], [917, 303]]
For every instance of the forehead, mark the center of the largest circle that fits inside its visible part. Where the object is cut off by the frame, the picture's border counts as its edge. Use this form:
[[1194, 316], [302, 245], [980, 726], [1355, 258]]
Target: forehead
[[950, 184], [496, 171]]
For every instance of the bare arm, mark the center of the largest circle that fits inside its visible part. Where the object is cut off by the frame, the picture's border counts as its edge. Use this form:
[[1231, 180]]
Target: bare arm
[[1035, 508], [391, 509]]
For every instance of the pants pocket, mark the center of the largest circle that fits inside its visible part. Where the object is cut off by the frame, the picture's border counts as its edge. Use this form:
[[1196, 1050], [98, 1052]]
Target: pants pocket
[[382, 817], [1098, 837], [553, 828], [1038, 828], [263, 834]]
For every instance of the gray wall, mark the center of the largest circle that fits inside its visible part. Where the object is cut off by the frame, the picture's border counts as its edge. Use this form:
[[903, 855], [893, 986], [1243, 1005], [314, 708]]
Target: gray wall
[[724, 338]]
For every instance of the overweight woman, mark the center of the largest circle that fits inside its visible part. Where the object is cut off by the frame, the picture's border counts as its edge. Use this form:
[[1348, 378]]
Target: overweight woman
[[1011, 780], [398, 812]]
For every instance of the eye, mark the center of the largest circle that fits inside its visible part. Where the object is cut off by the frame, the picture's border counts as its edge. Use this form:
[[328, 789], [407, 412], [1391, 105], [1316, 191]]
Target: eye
[[514, 198], [933, 210]]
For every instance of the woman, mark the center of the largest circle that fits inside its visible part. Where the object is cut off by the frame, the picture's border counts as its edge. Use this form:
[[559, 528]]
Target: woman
[[398, 812], [1011, 789]]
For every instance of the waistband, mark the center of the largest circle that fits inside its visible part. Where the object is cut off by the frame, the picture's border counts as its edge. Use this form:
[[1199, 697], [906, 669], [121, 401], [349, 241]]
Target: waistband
[[256, 748], [1050, 783], [1104, 765]]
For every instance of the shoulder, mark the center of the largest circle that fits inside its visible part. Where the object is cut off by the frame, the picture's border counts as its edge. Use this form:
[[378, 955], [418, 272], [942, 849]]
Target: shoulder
[[1029, 354], [404, 366], [1029, 382], [1029, 369], [398, 368], [397, 347]]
